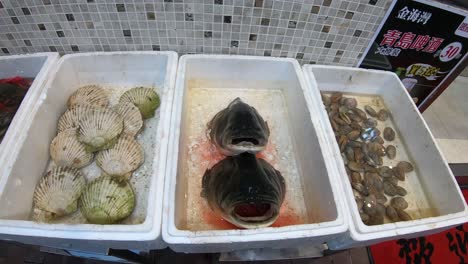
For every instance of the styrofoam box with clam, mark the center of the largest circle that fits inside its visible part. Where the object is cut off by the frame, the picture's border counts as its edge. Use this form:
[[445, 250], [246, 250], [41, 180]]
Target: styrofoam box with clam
[[313, 208], [434, 198], [37, 66], [116, 72]]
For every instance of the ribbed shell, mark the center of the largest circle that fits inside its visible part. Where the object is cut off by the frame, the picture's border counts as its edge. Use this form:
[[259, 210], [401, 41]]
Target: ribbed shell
[[122, 159], [133, 121], [58, 191], [146, 99], [71, 118], [66, 150], [100, 129], [89, 94], [107, 200]]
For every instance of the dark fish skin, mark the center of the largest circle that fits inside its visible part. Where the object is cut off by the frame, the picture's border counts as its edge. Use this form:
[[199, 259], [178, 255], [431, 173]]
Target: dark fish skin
[[239, 128], [244, 180]]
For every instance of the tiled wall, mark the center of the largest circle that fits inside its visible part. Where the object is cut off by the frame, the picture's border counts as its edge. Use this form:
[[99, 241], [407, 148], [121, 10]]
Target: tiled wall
[[313, 31]]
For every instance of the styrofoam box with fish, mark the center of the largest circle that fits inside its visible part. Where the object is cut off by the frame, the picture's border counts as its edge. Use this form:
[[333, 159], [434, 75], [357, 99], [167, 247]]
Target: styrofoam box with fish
[[435, 201], [116, 72], [312, 210], [30, 66]]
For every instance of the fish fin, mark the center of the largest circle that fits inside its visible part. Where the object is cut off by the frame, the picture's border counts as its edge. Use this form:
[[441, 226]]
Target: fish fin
[[205, 180], [267, 128]]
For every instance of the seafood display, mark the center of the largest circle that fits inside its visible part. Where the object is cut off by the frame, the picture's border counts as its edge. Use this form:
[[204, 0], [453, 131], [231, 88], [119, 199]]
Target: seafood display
[[92, 127], [368, 152], [245, 190], [239, 128], [12, 92]]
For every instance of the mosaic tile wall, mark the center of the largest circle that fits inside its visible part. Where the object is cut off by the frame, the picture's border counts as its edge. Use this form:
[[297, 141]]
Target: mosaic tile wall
[[313, 31]]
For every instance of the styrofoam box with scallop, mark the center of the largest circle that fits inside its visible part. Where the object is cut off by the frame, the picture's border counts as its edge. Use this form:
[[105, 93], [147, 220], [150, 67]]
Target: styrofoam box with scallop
[[434, 199], [312, 211], [116, 72]]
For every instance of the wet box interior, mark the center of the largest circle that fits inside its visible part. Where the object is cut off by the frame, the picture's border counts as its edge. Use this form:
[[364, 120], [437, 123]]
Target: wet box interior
[[205, 86]]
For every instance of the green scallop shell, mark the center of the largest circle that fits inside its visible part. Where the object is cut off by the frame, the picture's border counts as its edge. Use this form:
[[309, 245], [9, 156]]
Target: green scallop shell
[[146, 99]]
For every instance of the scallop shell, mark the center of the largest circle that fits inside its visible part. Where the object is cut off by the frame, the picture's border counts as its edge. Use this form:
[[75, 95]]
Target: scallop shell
[[146, 99], [133, 121], [122, 159], [99, 129], [107, 200], [58, 191], [71, 118], [89, 94], [66, 150]]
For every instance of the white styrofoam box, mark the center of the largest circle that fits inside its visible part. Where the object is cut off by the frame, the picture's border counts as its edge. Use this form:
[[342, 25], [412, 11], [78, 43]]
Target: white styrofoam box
[[210, 82], [37, 66], [437, 183], [118, 71]]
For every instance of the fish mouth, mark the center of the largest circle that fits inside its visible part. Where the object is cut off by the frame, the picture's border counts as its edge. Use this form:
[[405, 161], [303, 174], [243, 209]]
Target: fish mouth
[[254, 214], [245, 144], [245, 141]]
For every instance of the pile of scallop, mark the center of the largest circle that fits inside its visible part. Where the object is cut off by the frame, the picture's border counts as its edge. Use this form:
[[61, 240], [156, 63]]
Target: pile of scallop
[[91, 130], [375, 185]]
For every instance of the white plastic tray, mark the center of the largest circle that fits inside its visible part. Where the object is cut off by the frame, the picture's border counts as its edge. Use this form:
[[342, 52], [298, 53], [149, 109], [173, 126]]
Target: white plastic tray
[[437, 184], [37, 66], [120, 70], [206, 84]]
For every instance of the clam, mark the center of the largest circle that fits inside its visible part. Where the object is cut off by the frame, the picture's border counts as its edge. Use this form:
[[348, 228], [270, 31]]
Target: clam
[[399, 173], [89, 94], [360, 113], [370, 205], [354, 166], [58, 191], [146, 99], [356, 177], [122, 159], [385, 171], [107, 200], [335, 97], [392, 214], [67, 151], [350, 102], [389, 188], [389, 134], [405, 166], [382, 115], [370, 110], [132, 119], [376, 219], [364, 218], [399, 203], [99, 129], [354, 134], [325, 99], [404, 216], [390, 151], [71, 118], [400, 191], [370, 123], [381, 198]]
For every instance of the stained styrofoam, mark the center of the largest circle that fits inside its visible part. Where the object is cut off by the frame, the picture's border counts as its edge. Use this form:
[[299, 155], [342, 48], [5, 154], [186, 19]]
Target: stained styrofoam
[[119, 70], [437, 181], [37, 66], [239, 73]]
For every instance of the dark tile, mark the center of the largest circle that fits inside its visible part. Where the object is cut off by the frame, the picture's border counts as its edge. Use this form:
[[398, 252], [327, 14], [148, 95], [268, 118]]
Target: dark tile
[[70, 17], [150, 16], [1, 5], [315, 9], [326, 2], [326, 29], [227, 19], [208, 34], [168, 1], [277, 46], [5, 50], [357, 33], [258, 3], [372, 2], [253, 37], [120, 7], [127, 33], [46, 2], [265, 22], [52, 48], [312, 62], [90, 1], [9, 36], [349, 15], [292, 24], [218, 2], [234, 43], [75, 48], [339, 52], [328, 44], [156, 47], [60, 34], [189, 17], [27, 42], [26, 11], [15, 20], [299, 55], [267, 53], [41, 26]]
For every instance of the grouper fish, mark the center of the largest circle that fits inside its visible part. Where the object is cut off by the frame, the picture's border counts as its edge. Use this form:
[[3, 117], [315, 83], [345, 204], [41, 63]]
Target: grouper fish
[[245, 190], [238, 128]]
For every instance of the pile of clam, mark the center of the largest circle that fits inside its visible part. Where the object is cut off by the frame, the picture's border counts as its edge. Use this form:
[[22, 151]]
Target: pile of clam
[[90, 130], [361, 143]]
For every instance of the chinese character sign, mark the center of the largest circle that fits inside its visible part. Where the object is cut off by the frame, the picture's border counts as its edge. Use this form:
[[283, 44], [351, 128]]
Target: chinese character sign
[[421, 43]]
